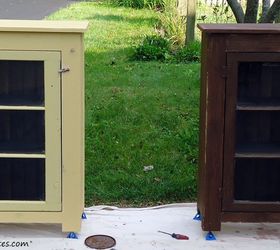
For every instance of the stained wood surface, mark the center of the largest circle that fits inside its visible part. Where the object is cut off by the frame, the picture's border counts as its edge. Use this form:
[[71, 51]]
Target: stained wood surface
[[223, 112], [250, 217], [251, 133], [202, 131], [247, 28], [211, 144], [257, 107]]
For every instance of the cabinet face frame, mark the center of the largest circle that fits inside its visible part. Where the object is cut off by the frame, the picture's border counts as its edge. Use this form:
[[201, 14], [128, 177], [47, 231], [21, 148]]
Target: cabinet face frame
[[229, 203], [52, 114]]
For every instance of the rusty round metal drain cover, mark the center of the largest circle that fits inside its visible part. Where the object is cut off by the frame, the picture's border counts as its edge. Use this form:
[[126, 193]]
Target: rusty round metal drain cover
[[100, 241]]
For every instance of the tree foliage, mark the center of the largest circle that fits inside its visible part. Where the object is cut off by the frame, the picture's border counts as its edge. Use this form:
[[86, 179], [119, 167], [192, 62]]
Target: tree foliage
[[269, 13]]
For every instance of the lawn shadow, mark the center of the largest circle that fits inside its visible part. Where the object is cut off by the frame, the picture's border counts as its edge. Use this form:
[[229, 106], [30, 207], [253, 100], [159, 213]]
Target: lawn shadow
[[118, 18], [123, 54]]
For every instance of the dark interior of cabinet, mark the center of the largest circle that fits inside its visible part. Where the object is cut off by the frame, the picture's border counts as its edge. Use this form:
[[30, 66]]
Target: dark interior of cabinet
[[257, 179], [258, 83], [21, 82], [258, 131], [22, 130], [22, 179], [257, 158]]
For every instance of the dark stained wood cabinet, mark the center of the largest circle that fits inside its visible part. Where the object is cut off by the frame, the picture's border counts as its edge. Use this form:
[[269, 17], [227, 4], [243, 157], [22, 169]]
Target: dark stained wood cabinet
[[239, 169]]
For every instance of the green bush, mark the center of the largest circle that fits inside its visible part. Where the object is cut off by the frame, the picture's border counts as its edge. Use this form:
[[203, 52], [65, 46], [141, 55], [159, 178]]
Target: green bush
[[153, 47], [190, 53], [157, 48], [139, 4]]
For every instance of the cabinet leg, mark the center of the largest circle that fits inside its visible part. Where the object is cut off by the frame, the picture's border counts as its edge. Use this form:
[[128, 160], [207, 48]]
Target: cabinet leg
[[72, 224], [84, 216], [72, 235], [210, 236]]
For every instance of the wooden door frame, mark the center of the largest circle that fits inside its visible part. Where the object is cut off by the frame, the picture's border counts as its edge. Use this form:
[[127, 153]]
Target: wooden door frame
[[52, 109], [228, 202]]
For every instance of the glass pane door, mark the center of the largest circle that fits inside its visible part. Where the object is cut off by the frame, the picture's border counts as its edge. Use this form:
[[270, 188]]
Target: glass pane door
[[22, 82], [252, 135], [30, 124]]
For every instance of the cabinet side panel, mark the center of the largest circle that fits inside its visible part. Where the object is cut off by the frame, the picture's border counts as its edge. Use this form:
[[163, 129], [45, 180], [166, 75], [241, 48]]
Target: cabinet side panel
[[202, 126], [73, 134], [212, 131]]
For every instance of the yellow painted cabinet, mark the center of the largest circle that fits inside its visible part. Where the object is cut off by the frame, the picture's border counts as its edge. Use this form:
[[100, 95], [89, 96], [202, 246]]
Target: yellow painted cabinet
[[30, 140], [42, 122]]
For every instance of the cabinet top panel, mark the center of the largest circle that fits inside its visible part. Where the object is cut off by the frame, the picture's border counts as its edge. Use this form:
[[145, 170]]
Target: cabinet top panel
[[241, 28], [43, 26]]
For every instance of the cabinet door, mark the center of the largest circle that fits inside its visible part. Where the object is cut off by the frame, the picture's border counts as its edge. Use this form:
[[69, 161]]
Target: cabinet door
[[30, 131], [251, 176]]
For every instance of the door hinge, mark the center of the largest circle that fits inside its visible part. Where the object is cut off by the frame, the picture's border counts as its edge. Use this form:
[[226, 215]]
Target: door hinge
[[224, 71], [64, 70]]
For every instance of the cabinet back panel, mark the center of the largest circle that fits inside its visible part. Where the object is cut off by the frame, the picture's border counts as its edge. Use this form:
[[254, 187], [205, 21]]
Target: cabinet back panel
[[22, 179], [22, 131], [257, 180], [258, 82], [21, 82], [258, 127]]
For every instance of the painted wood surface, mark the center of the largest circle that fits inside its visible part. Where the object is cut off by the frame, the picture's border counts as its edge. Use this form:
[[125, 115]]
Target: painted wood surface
[[65, 39]]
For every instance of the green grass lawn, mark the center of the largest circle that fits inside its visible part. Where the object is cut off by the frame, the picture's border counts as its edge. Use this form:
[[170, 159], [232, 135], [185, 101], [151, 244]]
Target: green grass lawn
[[137, 113]]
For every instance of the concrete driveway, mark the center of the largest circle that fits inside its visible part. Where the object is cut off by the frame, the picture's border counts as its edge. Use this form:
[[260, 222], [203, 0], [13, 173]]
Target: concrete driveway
[[30, 9]]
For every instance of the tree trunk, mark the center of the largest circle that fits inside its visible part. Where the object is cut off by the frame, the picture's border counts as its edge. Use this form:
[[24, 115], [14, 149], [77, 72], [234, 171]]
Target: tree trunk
[[190, 22], [272, 13], [251, 11], [237, 10], [265, 7], [182, 6]]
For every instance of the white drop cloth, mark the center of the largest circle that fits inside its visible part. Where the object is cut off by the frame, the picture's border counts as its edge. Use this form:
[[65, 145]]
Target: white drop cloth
[[137, 229]]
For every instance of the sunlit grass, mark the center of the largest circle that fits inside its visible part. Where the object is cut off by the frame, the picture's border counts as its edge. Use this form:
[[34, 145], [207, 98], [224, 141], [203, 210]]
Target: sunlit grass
[[137, 113]]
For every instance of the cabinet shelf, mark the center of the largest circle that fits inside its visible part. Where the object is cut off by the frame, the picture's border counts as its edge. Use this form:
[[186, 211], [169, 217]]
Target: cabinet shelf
[[258, 151], [8, 155], [4, 107], [257, 107], [264, 104]]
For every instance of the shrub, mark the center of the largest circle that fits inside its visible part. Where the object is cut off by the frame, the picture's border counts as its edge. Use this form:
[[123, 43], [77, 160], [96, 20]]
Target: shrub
[[139, 4], [153, 47], [157, 48], [190, 53]]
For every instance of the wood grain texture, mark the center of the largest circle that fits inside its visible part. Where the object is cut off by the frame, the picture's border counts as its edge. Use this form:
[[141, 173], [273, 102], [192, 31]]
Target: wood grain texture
[[250, 217], [211, 145], [267, 43], [202, 130], [223, 47], [248, 28], [247, 134]]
